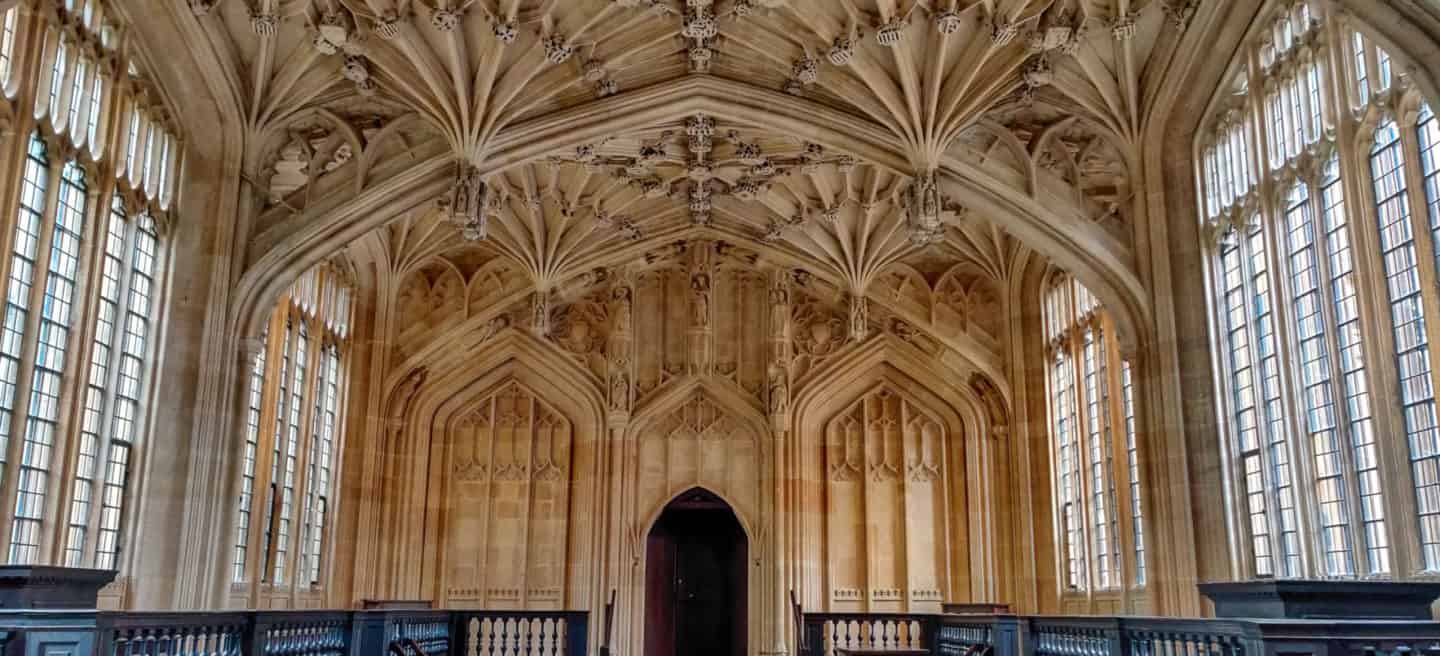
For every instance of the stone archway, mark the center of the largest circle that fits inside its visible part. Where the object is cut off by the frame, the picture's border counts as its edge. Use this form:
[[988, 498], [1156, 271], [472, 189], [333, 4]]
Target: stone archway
[[694, 436], [696, 579]]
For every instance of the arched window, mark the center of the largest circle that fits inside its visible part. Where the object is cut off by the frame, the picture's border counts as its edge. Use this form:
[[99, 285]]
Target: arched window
[[295, 389], [1098, 516], [1299, 332], [84, 298]]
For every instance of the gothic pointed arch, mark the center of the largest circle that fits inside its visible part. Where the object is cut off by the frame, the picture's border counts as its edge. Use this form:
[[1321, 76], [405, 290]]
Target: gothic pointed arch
[[414, 479], [696, 431], [699, 431], [908, 464]]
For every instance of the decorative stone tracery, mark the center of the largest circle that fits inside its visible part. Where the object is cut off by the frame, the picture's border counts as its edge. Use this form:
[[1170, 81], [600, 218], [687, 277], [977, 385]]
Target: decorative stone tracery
[[509, 462], [887, 505]]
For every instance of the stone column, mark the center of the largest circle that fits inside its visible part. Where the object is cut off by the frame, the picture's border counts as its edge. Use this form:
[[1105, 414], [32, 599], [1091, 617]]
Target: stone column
[[778, 385]]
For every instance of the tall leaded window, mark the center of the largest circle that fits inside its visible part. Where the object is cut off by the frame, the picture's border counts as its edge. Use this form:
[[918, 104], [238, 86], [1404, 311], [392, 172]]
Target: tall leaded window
[[247, 467], [7, 46], [295, 388], [81, 300], [51, 342], [1303, 313], [1132, 463], [26, 246], [1098, 513]]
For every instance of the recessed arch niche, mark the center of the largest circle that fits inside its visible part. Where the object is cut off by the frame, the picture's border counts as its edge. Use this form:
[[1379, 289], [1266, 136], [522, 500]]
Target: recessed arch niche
[[892, 472], [504, 503], [508, 471]]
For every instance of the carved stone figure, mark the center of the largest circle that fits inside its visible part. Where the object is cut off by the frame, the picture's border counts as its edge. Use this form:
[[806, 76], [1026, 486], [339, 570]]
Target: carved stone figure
[[620, 391], [540, 313], [620, 309], [779, 390], [494, 326], [700, 300], [779, 309], [291, 169], [859, 318]]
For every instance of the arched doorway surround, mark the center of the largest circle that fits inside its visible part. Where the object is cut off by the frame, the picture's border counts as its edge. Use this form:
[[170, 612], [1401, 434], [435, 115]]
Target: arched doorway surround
[[696, 582]]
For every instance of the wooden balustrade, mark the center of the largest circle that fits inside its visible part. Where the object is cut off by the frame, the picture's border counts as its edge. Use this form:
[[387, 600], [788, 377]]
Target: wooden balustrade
[[520, 633], [1010, 635], [293, 633], [828, 632], [538, 633]]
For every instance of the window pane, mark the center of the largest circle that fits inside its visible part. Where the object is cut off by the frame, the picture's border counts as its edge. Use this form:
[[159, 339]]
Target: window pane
[[101, 349], [291, 452], [22, 279], [247, 471], [1063, 417], [1412, 349], [1317, 390], [129, 384], [7, 45], [1132, 458], [283, 401], [1098, 457], [49, 367]]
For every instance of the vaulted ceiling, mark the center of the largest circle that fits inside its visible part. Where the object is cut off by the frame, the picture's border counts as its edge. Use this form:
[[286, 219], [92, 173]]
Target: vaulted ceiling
[[358, 110]]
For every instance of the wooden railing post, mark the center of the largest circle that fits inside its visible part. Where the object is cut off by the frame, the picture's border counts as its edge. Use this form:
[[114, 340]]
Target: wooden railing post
[[1118, 638], [367, 634], [577, 635], [1009, 636]]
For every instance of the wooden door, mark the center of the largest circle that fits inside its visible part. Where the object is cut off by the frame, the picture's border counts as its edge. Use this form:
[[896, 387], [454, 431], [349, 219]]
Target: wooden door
[[696, 580]]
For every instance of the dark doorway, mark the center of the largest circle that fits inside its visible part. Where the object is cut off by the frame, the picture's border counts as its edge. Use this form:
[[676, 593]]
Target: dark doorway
[[695, 579]]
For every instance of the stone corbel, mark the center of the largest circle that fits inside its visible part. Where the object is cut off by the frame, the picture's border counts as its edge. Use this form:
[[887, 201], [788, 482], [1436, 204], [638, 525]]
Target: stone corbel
[[1283, 179], [1407, 102], [57, 147], [1216, 234], [7, 118]]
